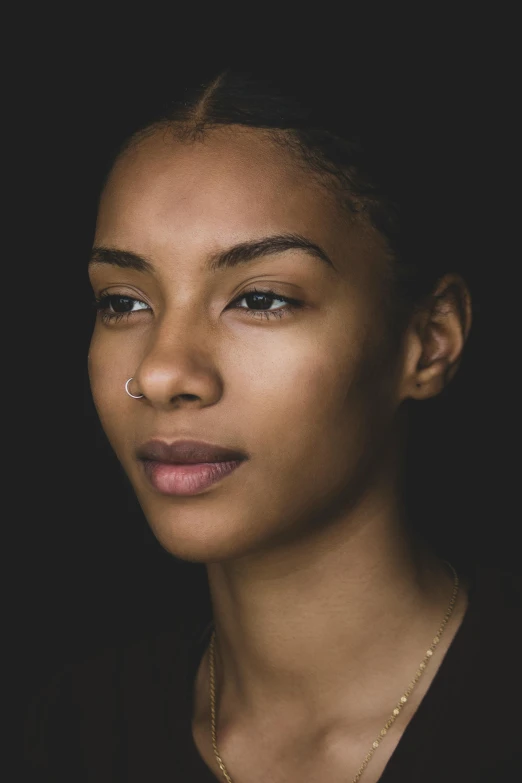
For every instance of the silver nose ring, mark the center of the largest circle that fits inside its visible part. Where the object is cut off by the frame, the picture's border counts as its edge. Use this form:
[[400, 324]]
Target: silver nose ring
[[134, 396]]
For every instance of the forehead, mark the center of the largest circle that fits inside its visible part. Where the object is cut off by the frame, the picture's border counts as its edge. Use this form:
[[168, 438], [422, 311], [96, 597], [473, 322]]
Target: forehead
[[231, 184]]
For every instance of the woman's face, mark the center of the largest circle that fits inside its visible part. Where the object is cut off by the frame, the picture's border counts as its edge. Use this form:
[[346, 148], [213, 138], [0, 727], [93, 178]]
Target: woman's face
[[309, 391]]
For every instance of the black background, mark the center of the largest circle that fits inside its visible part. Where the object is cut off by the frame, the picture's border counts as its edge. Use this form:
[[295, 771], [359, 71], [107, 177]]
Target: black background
[[91, 571]]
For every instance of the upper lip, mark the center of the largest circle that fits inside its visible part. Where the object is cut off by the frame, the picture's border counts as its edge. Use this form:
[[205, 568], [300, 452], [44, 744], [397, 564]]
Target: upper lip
[[187, 452]]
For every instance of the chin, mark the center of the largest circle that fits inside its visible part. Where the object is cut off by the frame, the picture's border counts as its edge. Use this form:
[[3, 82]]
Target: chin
[[203, 536]]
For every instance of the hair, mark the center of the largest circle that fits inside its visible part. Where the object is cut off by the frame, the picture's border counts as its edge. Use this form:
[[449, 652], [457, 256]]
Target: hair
[[368, 142]]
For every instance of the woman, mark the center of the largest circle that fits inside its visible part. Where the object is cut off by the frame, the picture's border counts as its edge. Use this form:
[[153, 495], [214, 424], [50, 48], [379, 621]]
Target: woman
[[268, 309]]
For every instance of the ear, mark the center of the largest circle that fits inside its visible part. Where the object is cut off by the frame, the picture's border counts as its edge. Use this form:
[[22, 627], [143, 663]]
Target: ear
[[435, 338]]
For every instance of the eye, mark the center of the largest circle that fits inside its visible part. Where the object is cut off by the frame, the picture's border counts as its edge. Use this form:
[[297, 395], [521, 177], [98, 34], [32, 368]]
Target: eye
[[115, 306], [261, 300]]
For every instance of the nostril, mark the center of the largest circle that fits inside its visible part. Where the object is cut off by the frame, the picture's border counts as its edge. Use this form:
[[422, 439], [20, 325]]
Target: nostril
[[184, 397]]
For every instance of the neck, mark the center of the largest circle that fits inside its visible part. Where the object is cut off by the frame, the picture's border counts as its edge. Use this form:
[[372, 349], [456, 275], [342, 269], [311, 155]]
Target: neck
[[305, 626]]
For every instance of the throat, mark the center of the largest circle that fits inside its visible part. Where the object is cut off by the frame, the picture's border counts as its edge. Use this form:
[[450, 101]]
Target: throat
[[306, 743]]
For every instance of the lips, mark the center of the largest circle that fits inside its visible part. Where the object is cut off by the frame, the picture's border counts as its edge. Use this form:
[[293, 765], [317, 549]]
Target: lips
[[187, 467], [187, 452]]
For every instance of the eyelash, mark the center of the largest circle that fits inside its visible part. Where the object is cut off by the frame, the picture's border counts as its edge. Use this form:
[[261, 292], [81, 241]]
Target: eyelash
[[102, 304]]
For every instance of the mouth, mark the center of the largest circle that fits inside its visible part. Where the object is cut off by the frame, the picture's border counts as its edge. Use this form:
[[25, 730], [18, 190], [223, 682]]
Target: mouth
[[187, 467], [175, 479]]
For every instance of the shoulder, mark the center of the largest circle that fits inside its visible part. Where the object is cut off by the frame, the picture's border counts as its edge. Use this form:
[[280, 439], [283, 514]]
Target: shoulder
[[94, 705], [470, 716], [483, 674], [485, 644], [496, 603]]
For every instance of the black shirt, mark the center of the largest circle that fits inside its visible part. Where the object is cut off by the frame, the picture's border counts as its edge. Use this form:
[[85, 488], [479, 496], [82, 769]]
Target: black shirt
[[125, 714]]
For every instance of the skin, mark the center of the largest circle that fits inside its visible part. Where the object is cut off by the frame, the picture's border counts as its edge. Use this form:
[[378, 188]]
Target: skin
[[323, 604]]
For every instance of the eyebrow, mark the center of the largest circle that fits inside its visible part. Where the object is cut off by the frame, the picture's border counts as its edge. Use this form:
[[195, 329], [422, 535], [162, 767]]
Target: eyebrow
[[242, 253]]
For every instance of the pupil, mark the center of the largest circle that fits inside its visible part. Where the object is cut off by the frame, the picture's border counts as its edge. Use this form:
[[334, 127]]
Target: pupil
[[121, 304], [256, 297]]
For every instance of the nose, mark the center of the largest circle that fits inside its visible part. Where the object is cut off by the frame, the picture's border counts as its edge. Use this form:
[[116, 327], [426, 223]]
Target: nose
[[179, 369]]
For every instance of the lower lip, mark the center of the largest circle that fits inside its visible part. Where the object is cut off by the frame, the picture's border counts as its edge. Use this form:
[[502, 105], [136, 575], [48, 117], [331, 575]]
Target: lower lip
[[187, 479]]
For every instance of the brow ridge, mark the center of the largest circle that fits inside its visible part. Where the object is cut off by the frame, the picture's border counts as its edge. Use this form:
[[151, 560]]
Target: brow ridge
[[239, 254], [244, 252]]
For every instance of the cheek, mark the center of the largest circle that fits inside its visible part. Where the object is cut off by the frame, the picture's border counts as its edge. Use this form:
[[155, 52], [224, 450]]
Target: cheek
[[301, 398], [310, 421], [109, 368]]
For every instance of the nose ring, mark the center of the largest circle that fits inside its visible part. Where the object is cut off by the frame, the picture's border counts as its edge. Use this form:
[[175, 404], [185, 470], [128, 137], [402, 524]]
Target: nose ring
[[134, 396]]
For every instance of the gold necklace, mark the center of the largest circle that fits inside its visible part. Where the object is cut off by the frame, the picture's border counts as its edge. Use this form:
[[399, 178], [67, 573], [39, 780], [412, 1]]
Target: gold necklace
[[398, 707]]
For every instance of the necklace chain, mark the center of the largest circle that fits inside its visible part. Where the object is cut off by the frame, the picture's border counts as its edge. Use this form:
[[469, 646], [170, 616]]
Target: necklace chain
[[398, 707]]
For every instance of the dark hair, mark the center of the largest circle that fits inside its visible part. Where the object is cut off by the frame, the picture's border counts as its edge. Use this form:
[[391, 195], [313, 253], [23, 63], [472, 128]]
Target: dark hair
[[384, 151]]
